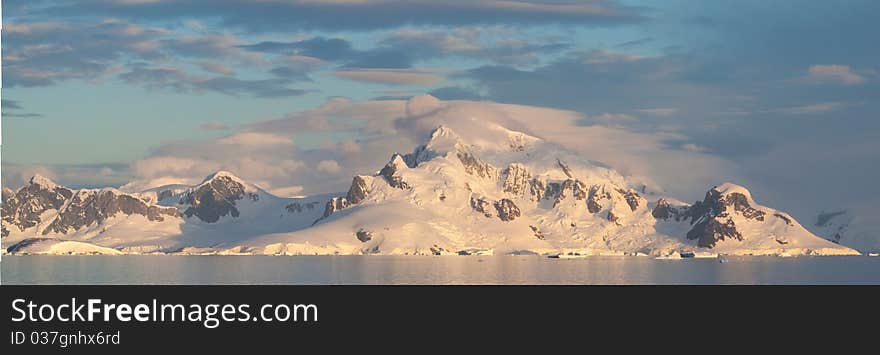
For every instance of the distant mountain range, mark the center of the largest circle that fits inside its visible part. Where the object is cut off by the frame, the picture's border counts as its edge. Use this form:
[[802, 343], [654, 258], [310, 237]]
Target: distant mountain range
[[481, 189]]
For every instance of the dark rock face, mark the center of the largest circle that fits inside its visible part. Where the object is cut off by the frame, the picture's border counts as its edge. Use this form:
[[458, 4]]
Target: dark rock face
[[517, 179], [507, 210], [632, 199], [711, 231], [391, 172], [712, 221], [663, 210], [364, 235], [89, 207], [538, 233], [335, 204], [570, 188], [22, 209], [474, 166], [358, 191], [216, 198], [784, 218], [481, 205], [297, 207], [597, 195]]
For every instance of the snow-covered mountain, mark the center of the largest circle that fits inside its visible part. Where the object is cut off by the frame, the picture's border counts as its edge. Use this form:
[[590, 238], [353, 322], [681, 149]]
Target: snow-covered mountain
[[848, 228], [474, 187]]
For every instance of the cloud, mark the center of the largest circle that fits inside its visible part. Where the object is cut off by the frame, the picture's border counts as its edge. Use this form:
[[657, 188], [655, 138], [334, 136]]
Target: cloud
[[256, 139], [216, 68], [659, 111], [213, 126], [279, 15], [835, 73], [390, 76], [329, 166], [72, 175], [811, 109], [178, 80], [389, 126], [613, 119]]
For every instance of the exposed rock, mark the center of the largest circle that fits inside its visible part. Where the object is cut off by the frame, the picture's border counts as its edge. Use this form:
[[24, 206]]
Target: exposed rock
[[632, 198], [22, 209], [538, 233], [572, 188], [710, 231], [784, 218], [507, 210], [359, 189], [364, 235], [663, 210], [538, 189], [712, 220], [598, 194], [481, 205], [335, 204], [215, 198], [391, 172], [565, 168], [611, 217], [92, 207], [475, 166], [516, 179], [297, 207]]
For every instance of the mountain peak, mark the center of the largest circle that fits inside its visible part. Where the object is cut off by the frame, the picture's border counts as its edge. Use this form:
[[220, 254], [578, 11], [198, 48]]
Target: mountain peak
[[222, 174], [730, 188], [42, 181]]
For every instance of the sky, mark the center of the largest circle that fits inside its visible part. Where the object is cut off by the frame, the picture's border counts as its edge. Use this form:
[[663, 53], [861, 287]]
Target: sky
[[299, 95]]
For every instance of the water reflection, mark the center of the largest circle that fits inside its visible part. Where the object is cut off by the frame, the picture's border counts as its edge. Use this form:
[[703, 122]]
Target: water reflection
[[433, 270]]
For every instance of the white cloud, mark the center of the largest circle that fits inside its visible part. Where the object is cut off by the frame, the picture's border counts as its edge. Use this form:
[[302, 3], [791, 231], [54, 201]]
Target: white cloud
[[613, 118], [329, 166], [835, 73], [816, 108], [385, 127], [659, 111], [256, 139]]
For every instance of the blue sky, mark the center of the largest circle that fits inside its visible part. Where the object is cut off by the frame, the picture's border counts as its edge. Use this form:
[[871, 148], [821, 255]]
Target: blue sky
[[782, 93]]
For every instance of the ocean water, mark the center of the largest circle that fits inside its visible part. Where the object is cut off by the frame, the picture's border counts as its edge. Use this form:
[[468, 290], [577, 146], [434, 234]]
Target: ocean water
[[530, 270]]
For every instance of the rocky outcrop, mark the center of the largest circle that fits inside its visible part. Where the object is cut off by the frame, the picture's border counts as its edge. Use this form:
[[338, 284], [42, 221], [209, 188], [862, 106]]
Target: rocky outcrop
[[507, 210], [632, 198], [569, 188], [360, 188], [712, 218], [216, 197], [598, 194], [663, 210], [474, 166], [92, 207], [364, 235], [517, 179], [481, 205], [298, 207], [24, 208], [335, 204], [391, 172]]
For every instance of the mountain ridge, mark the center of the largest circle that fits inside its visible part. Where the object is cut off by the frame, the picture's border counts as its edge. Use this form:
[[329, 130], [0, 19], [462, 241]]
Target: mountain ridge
[[499, 191]]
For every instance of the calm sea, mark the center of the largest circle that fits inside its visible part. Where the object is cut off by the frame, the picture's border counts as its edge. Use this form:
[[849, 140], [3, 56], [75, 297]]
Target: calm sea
[[157, 269]]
